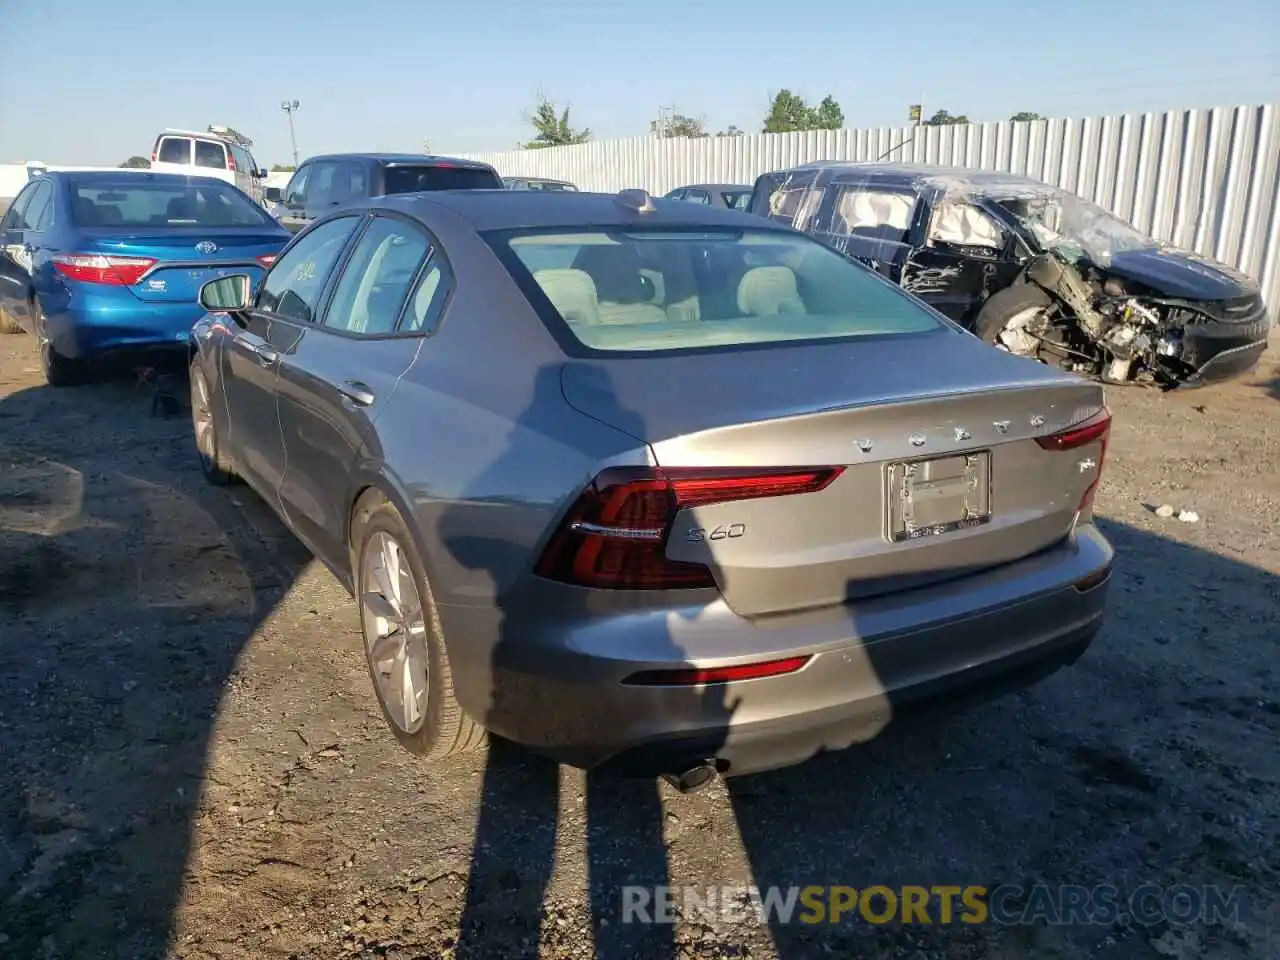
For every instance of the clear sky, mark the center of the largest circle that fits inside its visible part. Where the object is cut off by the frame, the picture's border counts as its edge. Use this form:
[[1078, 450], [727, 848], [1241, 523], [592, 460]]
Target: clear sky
[[82, 81]]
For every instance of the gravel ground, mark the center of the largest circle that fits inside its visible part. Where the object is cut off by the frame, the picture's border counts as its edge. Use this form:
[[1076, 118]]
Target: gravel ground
[[194, 766]]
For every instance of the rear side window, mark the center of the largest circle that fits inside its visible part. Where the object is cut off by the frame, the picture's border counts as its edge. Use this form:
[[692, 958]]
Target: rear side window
[[413, 179], [874, 213], [736, 199], [135, 202], [174, 150], [40, 213], [377, 277], [622, 290], [211, 154]]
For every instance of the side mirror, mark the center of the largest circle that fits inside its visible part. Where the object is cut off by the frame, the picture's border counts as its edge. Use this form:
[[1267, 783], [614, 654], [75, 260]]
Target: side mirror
[[260, 173], [227, 294], [274, 195]]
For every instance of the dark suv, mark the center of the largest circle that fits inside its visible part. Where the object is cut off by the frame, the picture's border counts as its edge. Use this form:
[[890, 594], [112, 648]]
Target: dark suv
[[336, 179]]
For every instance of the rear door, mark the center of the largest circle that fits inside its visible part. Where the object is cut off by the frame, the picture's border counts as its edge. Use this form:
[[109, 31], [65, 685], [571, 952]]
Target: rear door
[[211, 160], [871, 223], [287, 303], [336, 378], [172, 154]]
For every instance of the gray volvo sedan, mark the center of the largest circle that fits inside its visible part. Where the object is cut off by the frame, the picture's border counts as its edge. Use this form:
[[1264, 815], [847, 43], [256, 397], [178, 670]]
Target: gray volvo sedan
[[649, 485]]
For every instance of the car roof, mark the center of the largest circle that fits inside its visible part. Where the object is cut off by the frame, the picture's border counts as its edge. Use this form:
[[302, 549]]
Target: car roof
[[977, 181], [417, 159], [535, 179], [530, 209]]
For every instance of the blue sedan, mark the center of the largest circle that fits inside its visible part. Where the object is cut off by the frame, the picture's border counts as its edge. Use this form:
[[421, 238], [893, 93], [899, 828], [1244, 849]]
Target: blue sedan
[[99, 262]]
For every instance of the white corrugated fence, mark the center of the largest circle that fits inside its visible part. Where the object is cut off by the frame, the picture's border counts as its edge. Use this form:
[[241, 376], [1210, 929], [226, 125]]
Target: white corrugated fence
[[1207, 180]]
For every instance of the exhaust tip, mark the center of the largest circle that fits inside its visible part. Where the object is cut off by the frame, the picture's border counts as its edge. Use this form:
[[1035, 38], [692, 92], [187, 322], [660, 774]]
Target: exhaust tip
[[695, 778]]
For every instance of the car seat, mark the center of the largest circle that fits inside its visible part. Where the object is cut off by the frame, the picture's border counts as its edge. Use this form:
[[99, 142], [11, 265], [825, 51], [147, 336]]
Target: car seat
[[769, 291]]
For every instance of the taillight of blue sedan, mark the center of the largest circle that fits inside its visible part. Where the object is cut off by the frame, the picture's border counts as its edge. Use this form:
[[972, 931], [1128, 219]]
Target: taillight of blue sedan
[[100, 262]]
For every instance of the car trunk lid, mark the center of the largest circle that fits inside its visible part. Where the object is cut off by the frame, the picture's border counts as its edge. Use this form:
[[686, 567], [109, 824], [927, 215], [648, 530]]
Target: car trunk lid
[[937, 437], [184, 260]]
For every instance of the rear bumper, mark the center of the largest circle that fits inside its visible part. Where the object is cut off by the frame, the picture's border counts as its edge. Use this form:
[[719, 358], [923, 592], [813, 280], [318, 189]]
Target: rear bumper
[[88, 327], [563, 693]]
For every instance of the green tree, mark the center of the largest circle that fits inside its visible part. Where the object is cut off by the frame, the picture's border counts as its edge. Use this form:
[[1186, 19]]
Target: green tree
[[828, 115], [283, 168], [681, 126], [1024, 116], [554, 130], [137, 163], [942, 119], [788, 112], [730, 131]]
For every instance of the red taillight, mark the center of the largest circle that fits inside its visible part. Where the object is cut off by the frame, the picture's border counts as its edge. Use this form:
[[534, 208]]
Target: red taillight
[[693, 676], [99, 268], [615, 535], [231, 161], [267, 259], [1095, 429]]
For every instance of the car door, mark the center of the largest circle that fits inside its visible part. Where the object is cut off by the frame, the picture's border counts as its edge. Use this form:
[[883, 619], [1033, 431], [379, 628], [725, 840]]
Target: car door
[[964, 257], [293, 211], [287, 301], [15, 274], [23, 242], [337, 377], [322, 189]]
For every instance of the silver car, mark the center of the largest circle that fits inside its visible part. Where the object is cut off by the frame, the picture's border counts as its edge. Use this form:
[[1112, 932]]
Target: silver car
[[651, 485]]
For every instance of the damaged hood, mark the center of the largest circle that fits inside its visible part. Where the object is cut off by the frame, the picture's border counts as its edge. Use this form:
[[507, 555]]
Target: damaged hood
[[1181, 274]]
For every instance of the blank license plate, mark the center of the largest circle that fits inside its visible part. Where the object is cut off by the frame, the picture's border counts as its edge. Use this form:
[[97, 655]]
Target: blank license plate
[[929, 498]]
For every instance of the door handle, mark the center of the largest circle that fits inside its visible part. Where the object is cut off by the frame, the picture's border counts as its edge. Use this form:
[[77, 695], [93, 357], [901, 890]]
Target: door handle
[[265, 354], [357, 392]]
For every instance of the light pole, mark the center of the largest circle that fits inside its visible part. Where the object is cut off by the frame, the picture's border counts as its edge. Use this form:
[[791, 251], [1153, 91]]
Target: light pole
[[290, 107]]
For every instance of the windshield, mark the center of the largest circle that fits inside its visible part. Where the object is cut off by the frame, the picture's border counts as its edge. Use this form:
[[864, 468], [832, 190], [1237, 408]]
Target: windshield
[[1074, 227], [155, 203], [435, 177], [624, 290]]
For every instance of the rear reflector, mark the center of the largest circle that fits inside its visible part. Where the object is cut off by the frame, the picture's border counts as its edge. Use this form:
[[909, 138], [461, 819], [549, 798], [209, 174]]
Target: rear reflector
[[1096, 429], [98, 268], [697, 676], [267, 259], [615, 535]]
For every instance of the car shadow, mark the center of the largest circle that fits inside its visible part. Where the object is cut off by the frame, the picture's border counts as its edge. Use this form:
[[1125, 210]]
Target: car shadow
[[1109, 772], [105, 730]]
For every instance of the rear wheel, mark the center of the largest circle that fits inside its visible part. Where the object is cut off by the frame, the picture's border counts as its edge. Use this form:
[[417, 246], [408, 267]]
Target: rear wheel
[[212, 464], [403, 641]]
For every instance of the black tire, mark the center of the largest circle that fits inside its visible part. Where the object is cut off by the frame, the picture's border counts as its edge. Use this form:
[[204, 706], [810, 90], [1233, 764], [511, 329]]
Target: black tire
[[445, 728], [59, 371], [213, 464], [1003, 305]]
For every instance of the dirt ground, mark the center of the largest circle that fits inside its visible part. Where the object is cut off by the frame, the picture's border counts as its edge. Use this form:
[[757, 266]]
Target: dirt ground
[[192, 763]]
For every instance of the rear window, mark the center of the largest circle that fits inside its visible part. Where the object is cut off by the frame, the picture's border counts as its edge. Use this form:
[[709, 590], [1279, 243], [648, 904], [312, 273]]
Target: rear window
[[415, 179], [150, 204], [210, 154], [174, 150], [624, 290]]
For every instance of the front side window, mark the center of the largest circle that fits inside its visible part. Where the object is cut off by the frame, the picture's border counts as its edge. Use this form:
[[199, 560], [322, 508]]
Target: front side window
[[698, 196], [737, 199], [377, 278], [128, 201], [211, 154], [641, 290], [293, 286], [296, 193], [174, 150], [961, 224]]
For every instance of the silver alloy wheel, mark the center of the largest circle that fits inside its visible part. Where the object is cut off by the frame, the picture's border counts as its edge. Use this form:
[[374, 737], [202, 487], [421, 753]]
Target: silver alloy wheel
[[202, 420], [395, 630]]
